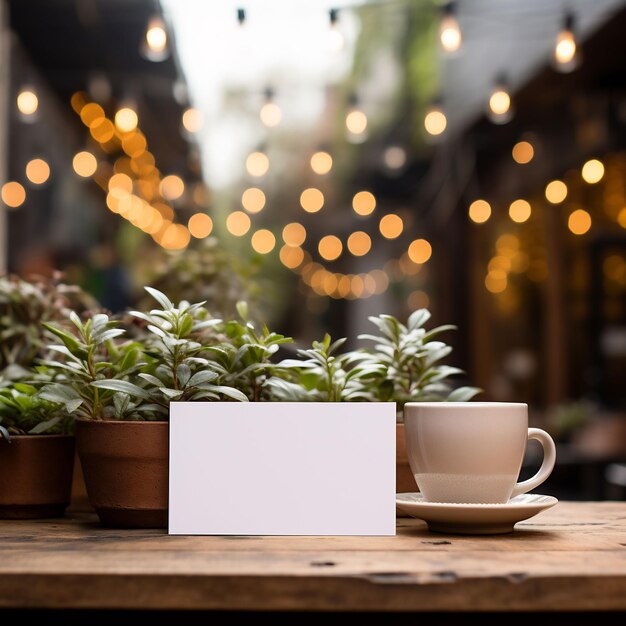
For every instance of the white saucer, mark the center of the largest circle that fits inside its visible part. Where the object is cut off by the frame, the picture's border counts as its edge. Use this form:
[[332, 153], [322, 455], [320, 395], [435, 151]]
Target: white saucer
[[473, 519]]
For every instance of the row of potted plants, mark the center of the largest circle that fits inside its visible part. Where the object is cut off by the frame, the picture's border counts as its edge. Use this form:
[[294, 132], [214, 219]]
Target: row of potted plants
[[111, 380]]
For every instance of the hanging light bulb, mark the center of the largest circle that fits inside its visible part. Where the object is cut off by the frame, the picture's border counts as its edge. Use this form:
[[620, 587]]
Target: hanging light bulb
[[356, 120], [270, 112], [335, 36], [450, 35], [155, 46], [565, 52], [435, 121], [27, 103], [500, 109]]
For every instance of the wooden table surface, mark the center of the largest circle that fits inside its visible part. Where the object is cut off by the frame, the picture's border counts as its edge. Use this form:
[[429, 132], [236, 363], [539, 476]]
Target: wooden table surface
[[572, 557]]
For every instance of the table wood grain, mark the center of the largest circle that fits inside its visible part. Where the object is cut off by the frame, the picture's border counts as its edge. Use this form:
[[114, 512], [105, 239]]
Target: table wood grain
[[572, 557]]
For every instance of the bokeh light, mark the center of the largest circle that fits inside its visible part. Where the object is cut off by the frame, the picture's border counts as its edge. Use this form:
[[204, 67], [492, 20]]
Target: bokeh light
[[330, 247], [200, 225], [172, 187], [294, 234], [126, 120], [311, 200], [263, 241], [523, 152], [257, 164], [13, 194], [579, 222], [253, 200], [593, 171], [238, 223], [363, 203], [479, 211], [84, 164], [359, 243], [556, 191], [391, 226], [520, 211], [420, 251], [37, 171], [321, 162]]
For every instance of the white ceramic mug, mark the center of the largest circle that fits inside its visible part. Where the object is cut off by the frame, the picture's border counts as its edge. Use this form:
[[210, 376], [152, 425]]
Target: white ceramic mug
[[472, 451]]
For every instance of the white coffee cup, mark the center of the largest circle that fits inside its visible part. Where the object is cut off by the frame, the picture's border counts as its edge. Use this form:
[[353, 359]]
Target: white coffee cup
[[472, 451]]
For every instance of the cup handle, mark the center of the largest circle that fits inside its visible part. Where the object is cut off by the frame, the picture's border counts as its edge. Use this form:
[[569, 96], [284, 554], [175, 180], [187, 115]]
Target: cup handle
[[549, 459]]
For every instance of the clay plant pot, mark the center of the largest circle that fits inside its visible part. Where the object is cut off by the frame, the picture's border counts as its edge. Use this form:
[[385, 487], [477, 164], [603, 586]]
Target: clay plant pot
[[125, 465], [35, 476], [405, 482]]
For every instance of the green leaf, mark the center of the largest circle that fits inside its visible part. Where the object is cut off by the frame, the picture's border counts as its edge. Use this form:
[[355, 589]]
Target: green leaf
[[231, 392], [4, 433], [123, 386], [173, 394], [42, 427], [463, 394], [203, 376], [160, 297]]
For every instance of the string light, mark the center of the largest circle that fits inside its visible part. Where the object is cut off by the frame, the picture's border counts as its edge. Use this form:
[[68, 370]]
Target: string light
[[13, 194], [479, 211], [420, 251], [391, 226], [253, 200], [359, 243], [294, 234], [37, 171], [523, 152], [394, 157], [321, 162], [291, 256], [335, 36], [356, 120], [579, 222], [126, 119], [565, 46], [270, 112], [192, 120], [496, 281], [519, 211], [500, 109], [238, 223], [450, 35], [257, 164], [172, 187], [363, 203], [330, 247], [155, 46], [556, 191], [84, 164], [593, 171], [27, 102], [200, 225], [312, 200], [435, 121], [263, 241]]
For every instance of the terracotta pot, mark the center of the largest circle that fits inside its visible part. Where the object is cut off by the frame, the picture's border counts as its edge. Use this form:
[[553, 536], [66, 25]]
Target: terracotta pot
[[125, 465], [405, 483], [35, 476]]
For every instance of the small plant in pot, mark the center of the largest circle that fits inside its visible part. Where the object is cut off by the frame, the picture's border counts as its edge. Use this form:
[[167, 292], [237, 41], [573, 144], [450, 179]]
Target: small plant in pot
[[405, 365], [411, 370], [120, 391], [36, 454]]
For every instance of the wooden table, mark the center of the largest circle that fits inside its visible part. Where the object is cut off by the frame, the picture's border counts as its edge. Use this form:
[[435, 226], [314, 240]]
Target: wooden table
[[572, 557]]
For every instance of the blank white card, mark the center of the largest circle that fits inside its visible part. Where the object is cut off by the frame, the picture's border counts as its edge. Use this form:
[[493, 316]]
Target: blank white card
[[282, 468]]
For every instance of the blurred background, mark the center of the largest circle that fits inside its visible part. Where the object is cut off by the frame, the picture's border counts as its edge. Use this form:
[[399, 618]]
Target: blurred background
[[330, 161]]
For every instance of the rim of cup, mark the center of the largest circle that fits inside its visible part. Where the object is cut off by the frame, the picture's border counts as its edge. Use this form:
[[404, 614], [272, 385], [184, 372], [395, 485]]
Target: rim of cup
[[478, 405]]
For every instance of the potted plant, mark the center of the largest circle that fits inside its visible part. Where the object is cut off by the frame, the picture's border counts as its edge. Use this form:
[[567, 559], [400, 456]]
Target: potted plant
[[36, 454], [120, 390], [411, 370], [404, 366]]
